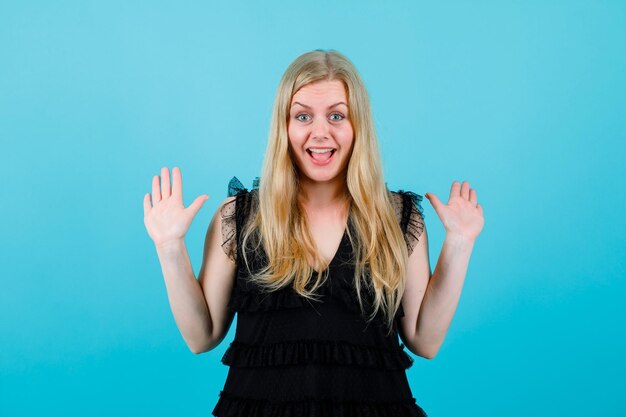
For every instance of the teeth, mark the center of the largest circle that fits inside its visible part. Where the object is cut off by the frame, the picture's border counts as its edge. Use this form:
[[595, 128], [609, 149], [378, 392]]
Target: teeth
[[320, 150]]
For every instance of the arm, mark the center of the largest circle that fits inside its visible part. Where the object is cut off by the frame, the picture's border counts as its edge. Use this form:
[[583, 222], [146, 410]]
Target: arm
[[431, 299], [199, 307], [440, 293], [184, 294]]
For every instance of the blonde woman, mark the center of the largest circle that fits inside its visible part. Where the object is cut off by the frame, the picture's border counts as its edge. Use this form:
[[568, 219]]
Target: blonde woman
[[325, 267]]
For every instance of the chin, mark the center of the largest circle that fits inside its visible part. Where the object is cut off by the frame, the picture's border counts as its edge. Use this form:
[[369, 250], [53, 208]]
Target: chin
[[322, 177]]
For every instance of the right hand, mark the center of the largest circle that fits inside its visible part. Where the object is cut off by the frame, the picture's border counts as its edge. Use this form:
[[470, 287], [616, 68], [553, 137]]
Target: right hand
[[167, 219]]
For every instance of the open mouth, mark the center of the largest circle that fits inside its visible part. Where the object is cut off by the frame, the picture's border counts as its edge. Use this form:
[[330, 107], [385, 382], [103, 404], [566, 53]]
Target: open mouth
[[321, 157]]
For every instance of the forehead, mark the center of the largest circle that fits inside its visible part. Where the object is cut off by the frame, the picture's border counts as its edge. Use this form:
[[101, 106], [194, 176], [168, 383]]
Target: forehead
[[320, 92]]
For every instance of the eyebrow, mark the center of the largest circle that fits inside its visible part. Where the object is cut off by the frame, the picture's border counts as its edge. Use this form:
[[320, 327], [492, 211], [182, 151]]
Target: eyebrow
[[330, 107]]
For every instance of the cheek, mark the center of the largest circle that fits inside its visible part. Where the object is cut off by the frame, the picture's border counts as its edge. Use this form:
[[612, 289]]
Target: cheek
[[347, 136], [294, 146], [296, 137]]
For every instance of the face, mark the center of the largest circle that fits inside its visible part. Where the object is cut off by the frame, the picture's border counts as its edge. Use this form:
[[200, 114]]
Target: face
[[320, 133]]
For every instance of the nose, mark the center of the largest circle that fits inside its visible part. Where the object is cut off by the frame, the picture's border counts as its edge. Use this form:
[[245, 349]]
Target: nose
[[320, 128]]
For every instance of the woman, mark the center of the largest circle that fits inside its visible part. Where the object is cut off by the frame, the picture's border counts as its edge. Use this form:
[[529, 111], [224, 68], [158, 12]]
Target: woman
[[324, 265]]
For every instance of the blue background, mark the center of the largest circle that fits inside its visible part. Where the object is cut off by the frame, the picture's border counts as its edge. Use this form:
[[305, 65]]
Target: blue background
[[524, 99]]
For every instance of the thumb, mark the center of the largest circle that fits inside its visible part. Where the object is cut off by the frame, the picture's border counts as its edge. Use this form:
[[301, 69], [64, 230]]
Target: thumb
[[436, 203], [197, 204]]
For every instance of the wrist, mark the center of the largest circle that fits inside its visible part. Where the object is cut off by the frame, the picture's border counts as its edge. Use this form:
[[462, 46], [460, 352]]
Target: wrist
[[460, 239], [170, 245]]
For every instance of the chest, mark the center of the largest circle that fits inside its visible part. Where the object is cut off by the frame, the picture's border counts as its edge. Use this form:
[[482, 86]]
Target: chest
[[327, 229], [327, 238]]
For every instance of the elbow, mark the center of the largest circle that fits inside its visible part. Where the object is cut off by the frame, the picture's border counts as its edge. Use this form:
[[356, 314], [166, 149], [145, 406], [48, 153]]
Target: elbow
[[428, 355], [427, 352], [431, 353], [420, 351], [194, 346], [203, 347], [198, 348]]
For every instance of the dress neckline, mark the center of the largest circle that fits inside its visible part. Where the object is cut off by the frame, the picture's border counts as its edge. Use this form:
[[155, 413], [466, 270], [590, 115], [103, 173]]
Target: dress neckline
[[339, 248]]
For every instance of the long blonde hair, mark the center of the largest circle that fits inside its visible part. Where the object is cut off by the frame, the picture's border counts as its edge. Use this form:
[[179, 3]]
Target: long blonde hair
[[279, 223]]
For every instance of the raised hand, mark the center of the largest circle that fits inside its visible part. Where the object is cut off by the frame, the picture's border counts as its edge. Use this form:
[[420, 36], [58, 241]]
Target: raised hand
[[167, 219], [462, 216]]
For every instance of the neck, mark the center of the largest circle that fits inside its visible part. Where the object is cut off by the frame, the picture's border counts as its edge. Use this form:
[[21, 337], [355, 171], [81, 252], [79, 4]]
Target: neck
[[319, 195]]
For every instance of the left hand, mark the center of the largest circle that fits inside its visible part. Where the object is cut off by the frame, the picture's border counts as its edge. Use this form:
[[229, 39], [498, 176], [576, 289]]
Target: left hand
[[462, 216]]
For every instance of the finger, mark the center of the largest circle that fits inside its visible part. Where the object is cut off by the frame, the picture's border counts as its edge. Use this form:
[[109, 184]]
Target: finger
[[480, 208], [436, 203], [197, 204], [146, 204], [156, 190], [165, 183], [455, 190], [177, 184], [473, 198], [465, 190]]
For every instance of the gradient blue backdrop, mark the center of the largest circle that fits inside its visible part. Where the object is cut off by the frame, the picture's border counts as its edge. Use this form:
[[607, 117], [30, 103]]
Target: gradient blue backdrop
[[524, 99]]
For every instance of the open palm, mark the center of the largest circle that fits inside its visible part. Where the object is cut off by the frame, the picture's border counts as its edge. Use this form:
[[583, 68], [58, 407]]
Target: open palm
[[167, 219], [462, 216]]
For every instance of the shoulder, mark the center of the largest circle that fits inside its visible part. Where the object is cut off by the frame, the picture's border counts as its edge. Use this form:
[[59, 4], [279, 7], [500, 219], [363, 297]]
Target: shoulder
[[407, 204], [227, 207], [410, 214], [237, 192], [231, 212], [397, 202]]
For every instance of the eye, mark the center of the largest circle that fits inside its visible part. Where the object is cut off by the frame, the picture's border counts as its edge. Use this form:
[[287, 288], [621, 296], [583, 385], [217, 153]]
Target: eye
[[338, 114], [301, 114]]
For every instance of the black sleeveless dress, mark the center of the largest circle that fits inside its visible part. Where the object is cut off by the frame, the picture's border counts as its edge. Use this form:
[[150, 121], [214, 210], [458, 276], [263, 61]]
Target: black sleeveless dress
[[293, 357]]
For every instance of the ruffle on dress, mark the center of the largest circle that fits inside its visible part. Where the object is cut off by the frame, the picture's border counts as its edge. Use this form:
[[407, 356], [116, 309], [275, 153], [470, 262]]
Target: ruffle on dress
[[412, 218], [229, 405], [328, 352], [236, 187], [228, 216]]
